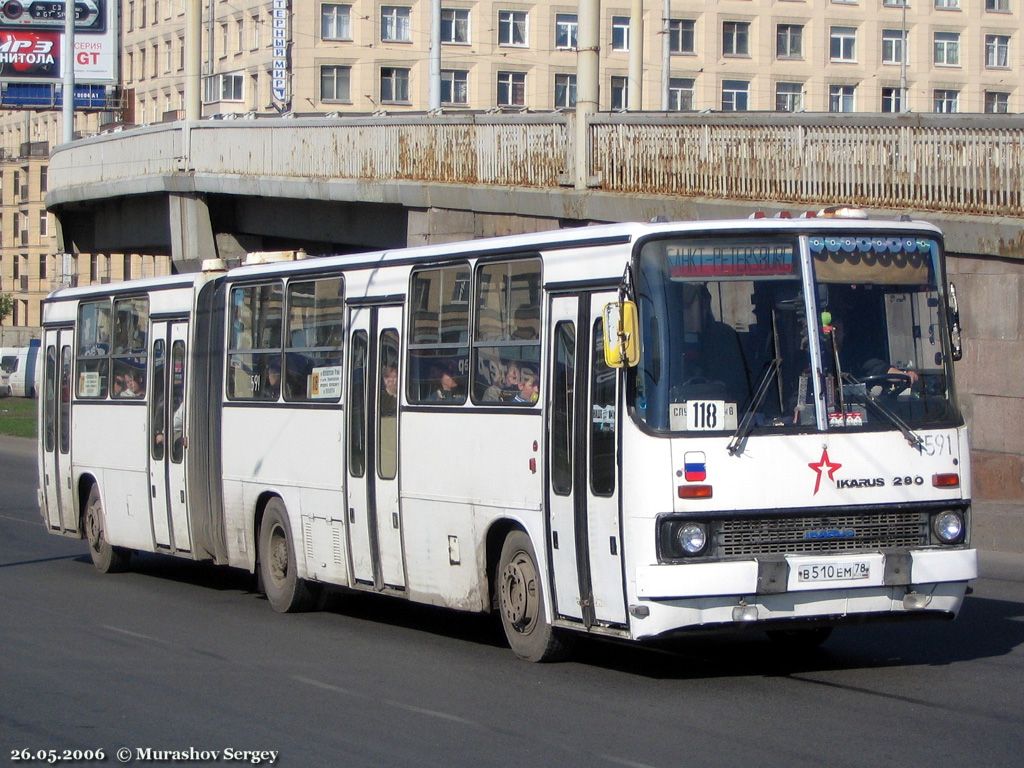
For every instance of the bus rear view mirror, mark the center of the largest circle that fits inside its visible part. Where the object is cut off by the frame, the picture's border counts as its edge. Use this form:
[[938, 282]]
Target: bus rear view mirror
[[621, 328]]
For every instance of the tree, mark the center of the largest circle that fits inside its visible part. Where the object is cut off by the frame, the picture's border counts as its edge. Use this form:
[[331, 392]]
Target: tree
[[6, 306]]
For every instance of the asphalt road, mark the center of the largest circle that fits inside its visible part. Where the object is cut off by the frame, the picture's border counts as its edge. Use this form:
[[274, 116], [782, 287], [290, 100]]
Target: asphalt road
[[183, 656]]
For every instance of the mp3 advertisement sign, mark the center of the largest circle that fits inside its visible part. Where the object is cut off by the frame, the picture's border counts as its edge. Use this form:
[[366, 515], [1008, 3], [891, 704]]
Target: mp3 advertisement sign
[[32, 40]]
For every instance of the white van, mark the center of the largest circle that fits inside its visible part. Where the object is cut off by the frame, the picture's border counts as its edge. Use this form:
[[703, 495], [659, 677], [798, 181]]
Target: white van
[[20, 364], [5, 384]]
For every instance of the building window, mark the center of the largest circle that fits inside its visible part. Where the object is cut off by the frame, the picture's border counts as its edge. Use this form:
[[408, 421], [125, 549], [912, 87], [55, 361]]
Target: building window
[[997, 102], [335, 83], [893, 46], [395, 24], [735, 95], [43, 178], [997, 6], [565, 91], [255, 27], [735, 38], [841, 98], [680, 94], [947, 5], [335, 22], [947, 49], [126, 267], [394, 84], [895, 3], [44, 228], [454, 25], [843, 44], [239, 35], [789, 97], [512, 27], [566, 30], [620, 92], [181, 54], [681, 36], [226, 87], [620, 33], [455, 87], [945, 100], [511, 89], [789, 41], [997, 51], [43, 258], [168, 56], [892, 100]]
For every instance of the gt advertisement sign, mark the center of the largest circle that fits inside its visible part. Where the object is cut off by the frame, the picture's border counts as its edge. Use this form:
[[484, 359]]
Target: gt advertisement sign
[[32, 40]]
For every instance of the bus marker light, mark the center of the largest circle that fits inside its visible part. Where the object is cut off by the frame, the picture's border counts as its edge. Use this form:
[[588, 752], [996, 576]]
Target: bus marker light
[[744, 612], [915, 601], [946, 480], [639, 611], [533, 466], [694, 491]]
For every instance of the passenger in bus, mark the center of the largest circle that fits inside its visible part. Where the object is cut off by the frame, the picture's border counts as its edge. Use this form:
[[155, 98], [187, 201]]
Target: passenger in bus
[[117, 386], [133, 386], [447, 386], [389, 391], [272, 382], [507, 388], [528, 387]]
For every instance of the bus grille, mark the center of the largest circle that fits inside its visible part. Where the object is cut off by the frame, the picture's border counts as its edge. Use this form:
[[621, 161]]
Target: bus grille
[[842, 533]]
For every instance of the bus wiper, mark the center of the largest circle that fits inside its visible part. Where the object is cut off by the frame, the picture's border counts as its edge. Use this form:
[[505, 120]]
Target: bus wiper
[[912, 437], [740, 435]]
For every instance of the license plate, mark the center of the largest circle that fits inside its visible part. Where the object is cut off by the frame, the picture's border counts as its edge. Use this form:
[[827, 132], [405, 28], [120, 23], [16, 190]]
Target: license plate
[[819, 572]]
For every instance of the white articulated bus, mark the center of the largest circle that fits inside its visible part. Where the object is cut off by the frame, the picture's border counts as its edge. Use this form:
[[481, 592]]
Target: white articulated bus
[[629, 430]]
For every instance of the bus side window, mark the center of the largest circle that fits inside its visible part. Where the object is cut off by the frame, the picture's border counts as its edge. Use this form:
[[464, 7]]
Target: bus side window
[[438, 364]]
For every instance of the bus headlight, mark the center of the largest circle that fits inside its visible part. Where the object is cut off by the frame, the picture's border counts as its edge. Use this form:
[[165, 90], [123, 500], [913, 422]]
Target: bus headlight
[[683, 538], [948, 526], [692, 538]]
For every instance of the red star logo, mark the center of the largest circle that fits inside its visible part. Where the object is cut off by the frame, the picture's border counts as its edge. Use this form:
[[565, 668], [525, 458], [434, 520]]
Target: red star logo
[[820, 465]]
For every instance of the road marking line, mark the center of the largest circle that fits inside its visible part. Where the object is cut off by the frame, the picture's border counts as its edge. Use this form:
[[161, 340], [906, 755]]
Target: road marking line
[[137, 635], [430, 713], [325, 686]]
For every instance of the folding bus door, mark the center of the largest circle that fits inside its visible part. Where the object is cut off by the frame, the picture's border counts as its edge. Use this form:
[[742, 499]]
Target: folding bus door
[[582, 453], [167, 436], [372, 475], [56, 438]]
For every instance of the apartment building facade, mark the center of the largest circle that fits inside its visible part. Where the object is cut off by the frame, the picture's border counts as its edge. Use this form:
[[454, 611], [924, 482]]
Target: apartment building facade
[[370, 55]]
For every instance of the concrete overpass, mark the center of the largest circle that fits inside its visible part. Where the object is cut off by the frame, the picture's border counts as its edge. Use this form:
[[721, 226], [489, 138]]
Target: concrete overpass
[[330, 184]]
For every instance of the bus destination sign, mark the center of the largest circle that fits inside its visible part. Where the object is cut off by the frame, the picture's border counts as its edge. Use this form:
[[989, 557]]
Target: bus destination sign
[[721, 259]]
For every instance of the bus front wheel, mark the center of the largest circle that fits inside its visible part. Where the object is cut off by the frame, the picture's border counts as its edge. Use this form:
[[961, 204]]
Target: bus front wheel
[[106, 558], [285, 591], [521, 603]]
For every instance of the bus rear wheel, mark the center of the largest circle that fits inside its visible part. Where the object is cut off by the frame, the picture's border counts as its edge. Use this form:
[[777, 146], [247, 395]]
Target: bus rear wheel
[[520, 602], [285, 591], [106, 558]]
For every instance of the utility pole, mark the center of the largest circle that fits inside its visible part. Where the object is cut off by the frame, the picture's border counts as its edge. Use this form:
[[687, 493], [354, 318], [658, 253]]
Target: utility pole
[[666, 54], [904, 107], [193, 57], [587, 63], [435, 55], [68, 54], [635, 96]]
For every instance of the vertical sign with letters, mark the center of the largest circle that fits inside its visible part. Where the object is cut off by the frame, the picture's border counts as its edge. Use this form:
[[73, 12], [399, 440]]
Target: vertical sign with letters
[[280, 80]]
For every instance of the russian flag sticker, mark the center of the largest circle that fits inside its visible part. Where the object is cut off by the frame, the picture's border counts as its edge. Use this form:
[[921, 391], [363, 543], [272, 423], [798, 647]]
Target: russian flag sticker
[[694, 468]]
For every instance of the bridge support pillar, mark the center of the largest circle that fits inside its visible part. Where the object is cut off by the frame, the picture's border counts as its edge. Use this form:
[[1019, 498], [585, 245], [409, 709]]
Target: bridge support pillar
[[191, 231]]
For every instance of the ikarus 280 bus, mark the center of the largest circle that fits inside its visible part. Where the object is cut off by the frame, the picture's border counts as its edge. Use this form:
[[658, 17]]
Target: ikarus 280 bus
[[631, 430]]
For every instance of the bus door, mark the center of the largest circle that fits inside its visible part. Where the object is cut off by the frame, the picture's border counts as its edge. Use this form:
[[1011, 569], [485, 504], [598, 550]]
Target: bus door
[[583, 497], [60, 507], [167, 442], [374, 516]]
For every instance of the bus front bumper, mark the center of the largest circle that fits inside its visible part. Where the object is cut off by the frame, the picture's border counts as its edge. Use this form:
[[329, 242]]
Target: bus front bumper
[[677, 596]]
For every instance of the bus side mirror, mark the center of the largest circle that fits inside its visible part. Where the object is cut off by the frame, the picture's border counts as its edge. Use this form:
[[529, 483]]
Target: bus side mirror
[[621, 327], [955, 343]]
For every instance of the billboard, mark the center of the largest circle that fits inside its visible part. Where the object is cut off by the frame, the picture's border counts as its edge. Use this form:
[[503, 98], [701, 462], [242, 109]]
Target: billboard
[[32, 41]]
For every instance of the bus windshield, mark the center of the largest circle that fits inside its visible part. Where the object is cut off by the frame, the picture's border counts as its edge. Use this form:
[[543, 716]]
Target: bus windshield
[[882, 332], [725, 332]]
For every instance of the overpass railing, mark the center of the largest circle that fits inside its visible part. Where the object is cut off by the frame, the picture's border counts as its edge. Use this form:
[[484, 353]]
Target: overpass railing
[[944, 163]]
